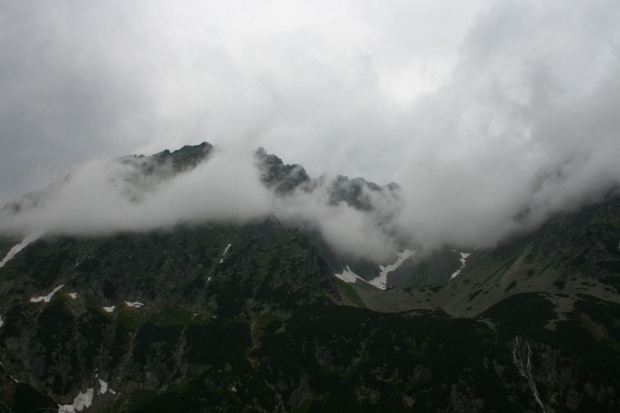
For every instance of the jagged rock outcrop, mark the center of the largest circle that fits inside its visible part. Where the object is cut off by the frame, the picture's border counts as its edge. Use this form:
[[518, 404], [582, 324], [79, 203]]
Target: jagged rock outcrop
[[282, 178]]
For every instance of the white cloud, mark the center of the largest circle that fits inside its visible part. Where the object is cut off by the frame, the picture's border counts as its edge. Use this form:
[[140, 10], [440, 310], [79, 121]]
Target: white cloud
[[478, 109], [351, 231], [530, 98], [95, 198]]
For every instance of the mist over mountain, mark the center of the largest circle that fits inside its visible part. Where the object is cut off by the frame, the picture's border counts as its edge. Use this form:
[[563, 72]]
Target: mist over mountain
[[402, 206], [201, 183], [396, 206], [481, 112], [204, 183]]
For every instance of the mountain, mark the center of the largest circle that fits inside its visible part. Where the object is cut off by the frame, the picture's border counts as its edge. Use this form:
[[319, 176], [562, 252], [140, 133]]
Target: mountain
[[266, 315], [572, 253]]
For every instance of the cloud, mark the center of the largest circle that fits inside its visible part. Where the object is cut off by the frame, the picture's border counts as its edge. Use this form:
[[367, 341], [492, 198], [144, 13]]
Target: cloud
[[106, 196], [98, 198], [111, 78], [351, 231], [483, 111], [524, 123]]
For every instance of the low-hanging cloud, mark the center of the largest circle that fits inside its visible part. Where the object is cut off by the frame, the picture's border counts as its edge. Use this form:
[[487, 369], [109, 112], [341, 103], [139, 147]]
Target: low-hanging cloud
[[525, 127], [516, 124], [352, 232], [97, 198], [107, 196]]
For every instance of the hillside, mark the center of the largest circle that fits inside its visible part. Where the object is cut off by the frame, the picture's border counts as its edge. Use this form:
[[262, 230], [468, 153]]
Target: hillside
[[212, 316]]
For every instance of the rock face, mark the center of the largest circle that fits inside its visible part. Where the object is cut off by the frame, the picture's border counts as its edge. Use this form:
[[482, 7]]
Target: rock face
[[356, 193], [215, 317], [283, 179], [188, 157], [203, 289]]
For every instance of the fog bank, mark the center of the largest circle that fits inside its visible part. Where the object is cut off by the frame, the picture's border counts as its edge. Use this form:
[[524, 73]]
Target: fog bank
[[491, 115]]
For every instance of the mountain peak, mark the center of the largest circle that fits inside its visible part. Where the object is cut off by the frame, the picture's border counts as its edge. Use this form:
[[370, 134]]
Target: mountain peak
[[282, 178]]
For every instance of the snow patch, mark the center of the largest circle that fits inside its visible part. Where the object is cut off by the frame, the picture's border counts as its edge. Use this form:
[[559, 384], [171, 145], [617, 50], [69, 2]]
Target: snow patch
[[104, 387], [82, 401], [225, 251], [73, 295], [109, 309], [349, 276], [135, 304], [1, 322], [381, 280], [20, 247], [46, 298], [463, 258], [66, 408]]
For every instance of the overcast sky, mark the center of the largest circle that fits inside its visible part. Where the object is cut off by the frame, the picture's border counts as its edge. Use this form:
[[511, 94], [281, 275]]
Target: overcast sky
[[479, 109]]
